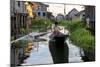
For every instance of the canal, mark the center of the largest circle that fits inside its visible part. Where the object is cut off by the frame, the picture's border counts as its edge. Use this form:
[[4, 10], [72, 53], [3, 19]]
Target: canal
[[43, 55]]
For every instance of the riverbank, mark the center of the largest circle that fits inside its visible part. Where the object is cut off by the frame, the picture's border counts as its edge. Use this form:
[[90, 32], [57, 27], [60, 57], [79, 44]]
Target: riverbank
[[81, 37]]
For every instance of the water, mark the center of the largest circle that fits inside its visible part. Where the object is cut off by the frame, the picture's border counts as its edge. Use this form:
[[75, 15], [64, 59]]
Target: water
[[74, 53], [43, 56]]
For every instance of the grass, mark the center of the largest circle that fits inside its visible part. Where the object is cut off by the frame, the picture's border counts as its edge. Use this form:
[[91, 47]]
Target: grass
[[83, 38], [79, 35]]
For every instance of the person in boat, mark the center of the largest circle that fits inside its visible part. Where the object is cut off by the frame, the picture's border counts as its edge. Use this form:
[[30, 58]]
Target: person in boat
[[56, 30]]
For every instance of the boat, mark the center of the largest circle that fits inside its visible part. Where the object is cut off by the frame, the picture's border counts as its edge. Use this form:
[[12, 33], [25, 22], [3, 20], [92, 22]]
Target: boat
[[59, 48]]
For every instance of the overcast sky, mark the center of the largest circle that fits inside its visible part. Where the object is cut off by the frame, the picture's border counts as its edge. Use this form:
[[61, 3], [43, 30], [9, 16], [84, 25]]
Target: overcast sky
[[84, 2], [59, 8]]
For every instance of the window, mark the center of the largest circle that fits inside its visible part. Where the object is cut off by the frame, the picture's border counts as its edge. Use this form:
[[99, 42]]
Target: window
[[18, 3], [38, 13], [44, 14]]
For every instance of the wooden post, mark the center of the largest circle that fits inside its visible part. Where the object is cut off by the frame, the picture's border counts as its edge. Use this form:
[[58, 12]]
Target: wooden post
[[16, 25], [37, 46]]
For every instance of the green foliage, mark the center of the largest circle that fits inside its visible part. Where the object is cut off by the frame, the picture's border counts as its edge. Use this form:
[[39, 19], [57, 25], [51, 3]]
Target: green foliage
[[83, 38], [79, 35], [74, 25], [20, 43], [41, 22], [64, 22], [71, 25]]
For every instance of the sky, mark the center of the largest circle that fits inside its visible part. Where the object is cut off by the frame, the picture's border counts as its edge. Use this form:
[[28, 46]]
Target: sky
[[84, 2], [59, 8]]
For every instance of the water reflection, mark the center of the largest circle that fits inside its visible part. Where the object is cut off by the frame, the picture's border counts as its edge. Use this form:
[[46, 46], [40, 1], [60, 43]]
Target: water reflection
[[48, 53], [75, 52]]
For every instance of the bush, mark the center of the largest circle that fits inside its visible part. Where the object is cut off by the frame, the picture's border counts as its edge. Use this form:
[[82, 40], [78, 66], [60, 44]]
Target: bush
[[83, 39], [20, 43], [71, 25], [41, 22], [74, 26], [79, 35], [64, 22]]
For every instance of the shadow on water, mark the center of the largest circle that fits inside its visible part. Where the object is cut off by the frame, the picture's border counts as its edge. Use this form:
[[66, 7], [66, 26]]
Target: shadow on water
[[59, 50]]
